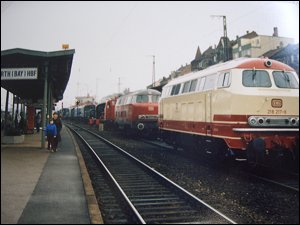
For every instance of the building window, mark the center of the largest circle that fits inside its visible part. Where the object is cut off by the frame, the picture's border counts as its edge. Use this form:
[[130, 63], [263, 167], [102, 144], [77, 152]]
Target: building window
[[235, 55], [257, 43], [246, 53]]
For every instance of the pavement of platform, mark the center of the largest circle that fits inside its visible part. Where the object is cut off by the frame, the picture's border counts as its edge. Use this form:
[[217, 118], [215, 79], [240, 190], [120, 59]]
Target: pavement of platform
[[20, 171], [31, 140], [95, 214], [42, 187]]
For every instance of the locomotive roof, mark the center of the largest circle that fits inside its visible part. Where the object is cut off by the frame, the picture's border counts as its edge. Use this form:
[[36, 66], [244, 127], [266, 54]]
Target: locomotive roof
[[145, 92], [109, 97], [240, 63]]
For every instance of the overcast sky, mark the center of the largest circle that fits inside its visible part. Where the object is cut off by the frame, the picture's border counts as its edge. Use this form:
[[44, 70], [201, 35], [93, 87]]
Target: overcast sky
[[116, 39]]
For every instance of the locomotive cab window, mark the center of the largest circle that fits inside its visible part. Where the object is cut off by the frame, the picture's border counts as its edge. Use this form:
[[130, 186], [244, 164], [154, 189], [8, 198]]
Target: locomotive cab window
[[129, 100], [168, 91], [210, 82], [256, 78], [118, 101], [224, 80], [155, 98], [186, 87], [176, 89], [201, 84], [142, 99], [285, 80], [193, 85]]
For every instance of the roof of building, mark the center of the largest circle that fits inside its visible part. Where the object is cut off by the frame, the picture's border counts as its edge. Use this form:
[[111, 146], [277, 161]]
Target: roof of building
[[59, 69], [249, 35], [222, 42], [209, 51], [272, 52], [198, 54]]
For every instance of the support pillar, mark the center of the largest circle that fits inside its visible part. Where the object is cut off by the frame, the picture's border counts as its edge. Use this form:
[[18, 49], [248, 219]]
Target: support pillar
[[49, 103], [44, 107], [6, 109], [13, 112]]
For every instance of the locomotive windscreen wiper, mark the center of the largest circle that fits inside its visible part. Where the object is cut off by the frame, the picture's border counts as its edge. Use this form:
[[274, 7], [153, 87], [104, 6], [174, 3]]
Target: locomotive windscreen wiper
[[286, 77], [253, 74]]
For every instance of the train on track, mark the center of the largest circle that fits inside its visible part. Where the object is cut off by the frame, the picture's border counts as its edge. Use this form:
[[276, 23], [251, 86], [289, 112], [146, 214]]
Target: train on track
[[135, 112], [247, 107], [138, 111], [105, 111], [81, 113]]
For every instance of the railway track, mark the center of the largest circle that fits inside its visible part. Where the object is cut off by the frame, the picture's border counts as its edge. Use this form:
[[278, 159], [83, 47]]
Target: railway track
[[281, 178], [150, 197]]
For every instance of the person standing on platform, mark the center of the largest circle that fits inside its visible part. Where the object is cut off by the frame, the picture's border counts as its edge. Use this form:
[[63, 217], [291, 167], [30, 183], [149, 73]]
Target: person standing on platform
[[38, 120], [17, 119], [22, 123], [58, 124], [51, 134]]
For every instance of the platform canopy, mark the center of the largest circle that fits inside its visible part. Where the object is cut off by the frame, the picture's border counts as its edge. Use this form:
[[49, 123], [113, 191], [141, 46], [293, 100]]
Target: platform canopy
[[23, 73]]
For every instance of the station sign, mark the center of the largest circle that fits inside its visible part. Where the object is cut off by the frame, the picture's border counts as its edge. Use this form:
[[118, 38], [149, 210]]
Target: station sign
[[19, 73]]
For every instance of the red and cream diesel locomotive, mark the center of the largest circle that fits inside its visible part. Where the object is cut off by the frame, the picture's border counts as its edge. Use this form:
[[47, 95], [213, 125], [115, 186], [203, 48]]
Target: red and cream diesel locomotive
[[138, 111], [245, 107]]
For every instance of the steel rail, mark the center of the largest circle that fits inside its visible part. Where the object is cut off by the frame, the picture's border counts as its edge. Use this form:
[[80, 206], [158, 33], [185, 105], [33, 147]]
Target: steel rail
[[151, 170]]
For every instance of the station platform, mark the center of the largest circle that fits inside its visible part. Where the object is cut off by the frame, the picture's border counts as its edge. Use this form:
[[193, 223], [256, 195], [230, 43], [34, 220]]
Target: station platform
[[41, 187]]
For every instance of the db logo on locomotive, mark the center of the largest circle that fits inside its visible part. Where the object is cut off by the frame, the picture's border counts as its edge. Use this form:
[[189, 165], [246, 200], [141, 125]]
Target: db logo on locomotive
[[276, 103]]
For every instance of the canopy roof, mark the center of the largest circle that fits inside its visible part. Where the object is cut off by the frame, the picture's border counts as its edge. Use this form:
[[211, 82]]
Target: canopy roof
[[59, 69]]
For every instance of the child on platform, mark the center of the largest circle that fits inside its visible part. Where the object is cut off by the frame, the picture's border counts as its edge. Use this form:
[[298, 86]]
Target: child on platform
[[51, 133]]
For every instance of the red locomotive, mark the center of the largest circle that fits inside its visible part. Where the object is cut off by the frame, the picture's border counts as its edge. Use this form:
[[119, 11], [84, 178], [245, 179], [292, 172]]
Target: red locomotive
[[105, 111], [138, 111]]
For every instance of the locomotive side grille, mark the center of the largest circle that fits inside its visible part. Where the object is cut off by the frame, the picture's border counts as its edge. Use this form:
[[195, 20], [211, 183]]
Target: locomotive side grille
[[277, 121]]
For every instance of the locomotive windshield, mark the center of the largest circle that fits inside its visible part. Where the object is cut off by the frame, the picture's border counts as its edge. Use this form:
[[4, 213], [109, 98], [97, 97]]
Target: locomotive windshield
[[142, 99], [256, 78], [155, 98], [89, 111], [100, 111], [285, 80], [147, 98]]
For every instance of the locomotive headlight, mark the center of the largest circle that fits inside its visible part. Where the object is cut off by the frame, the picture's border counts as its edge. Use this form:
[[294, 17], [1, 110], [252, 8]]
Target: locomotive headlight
[[252, 121], [142, 117], [294, 121], [268, 63], [261, 121]]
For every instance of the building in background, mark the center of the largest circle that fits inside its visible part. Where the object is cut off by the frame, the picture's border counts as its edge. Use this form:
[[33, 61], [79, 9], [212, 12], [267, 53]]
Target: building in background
[[249, 45], [253, 45]]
